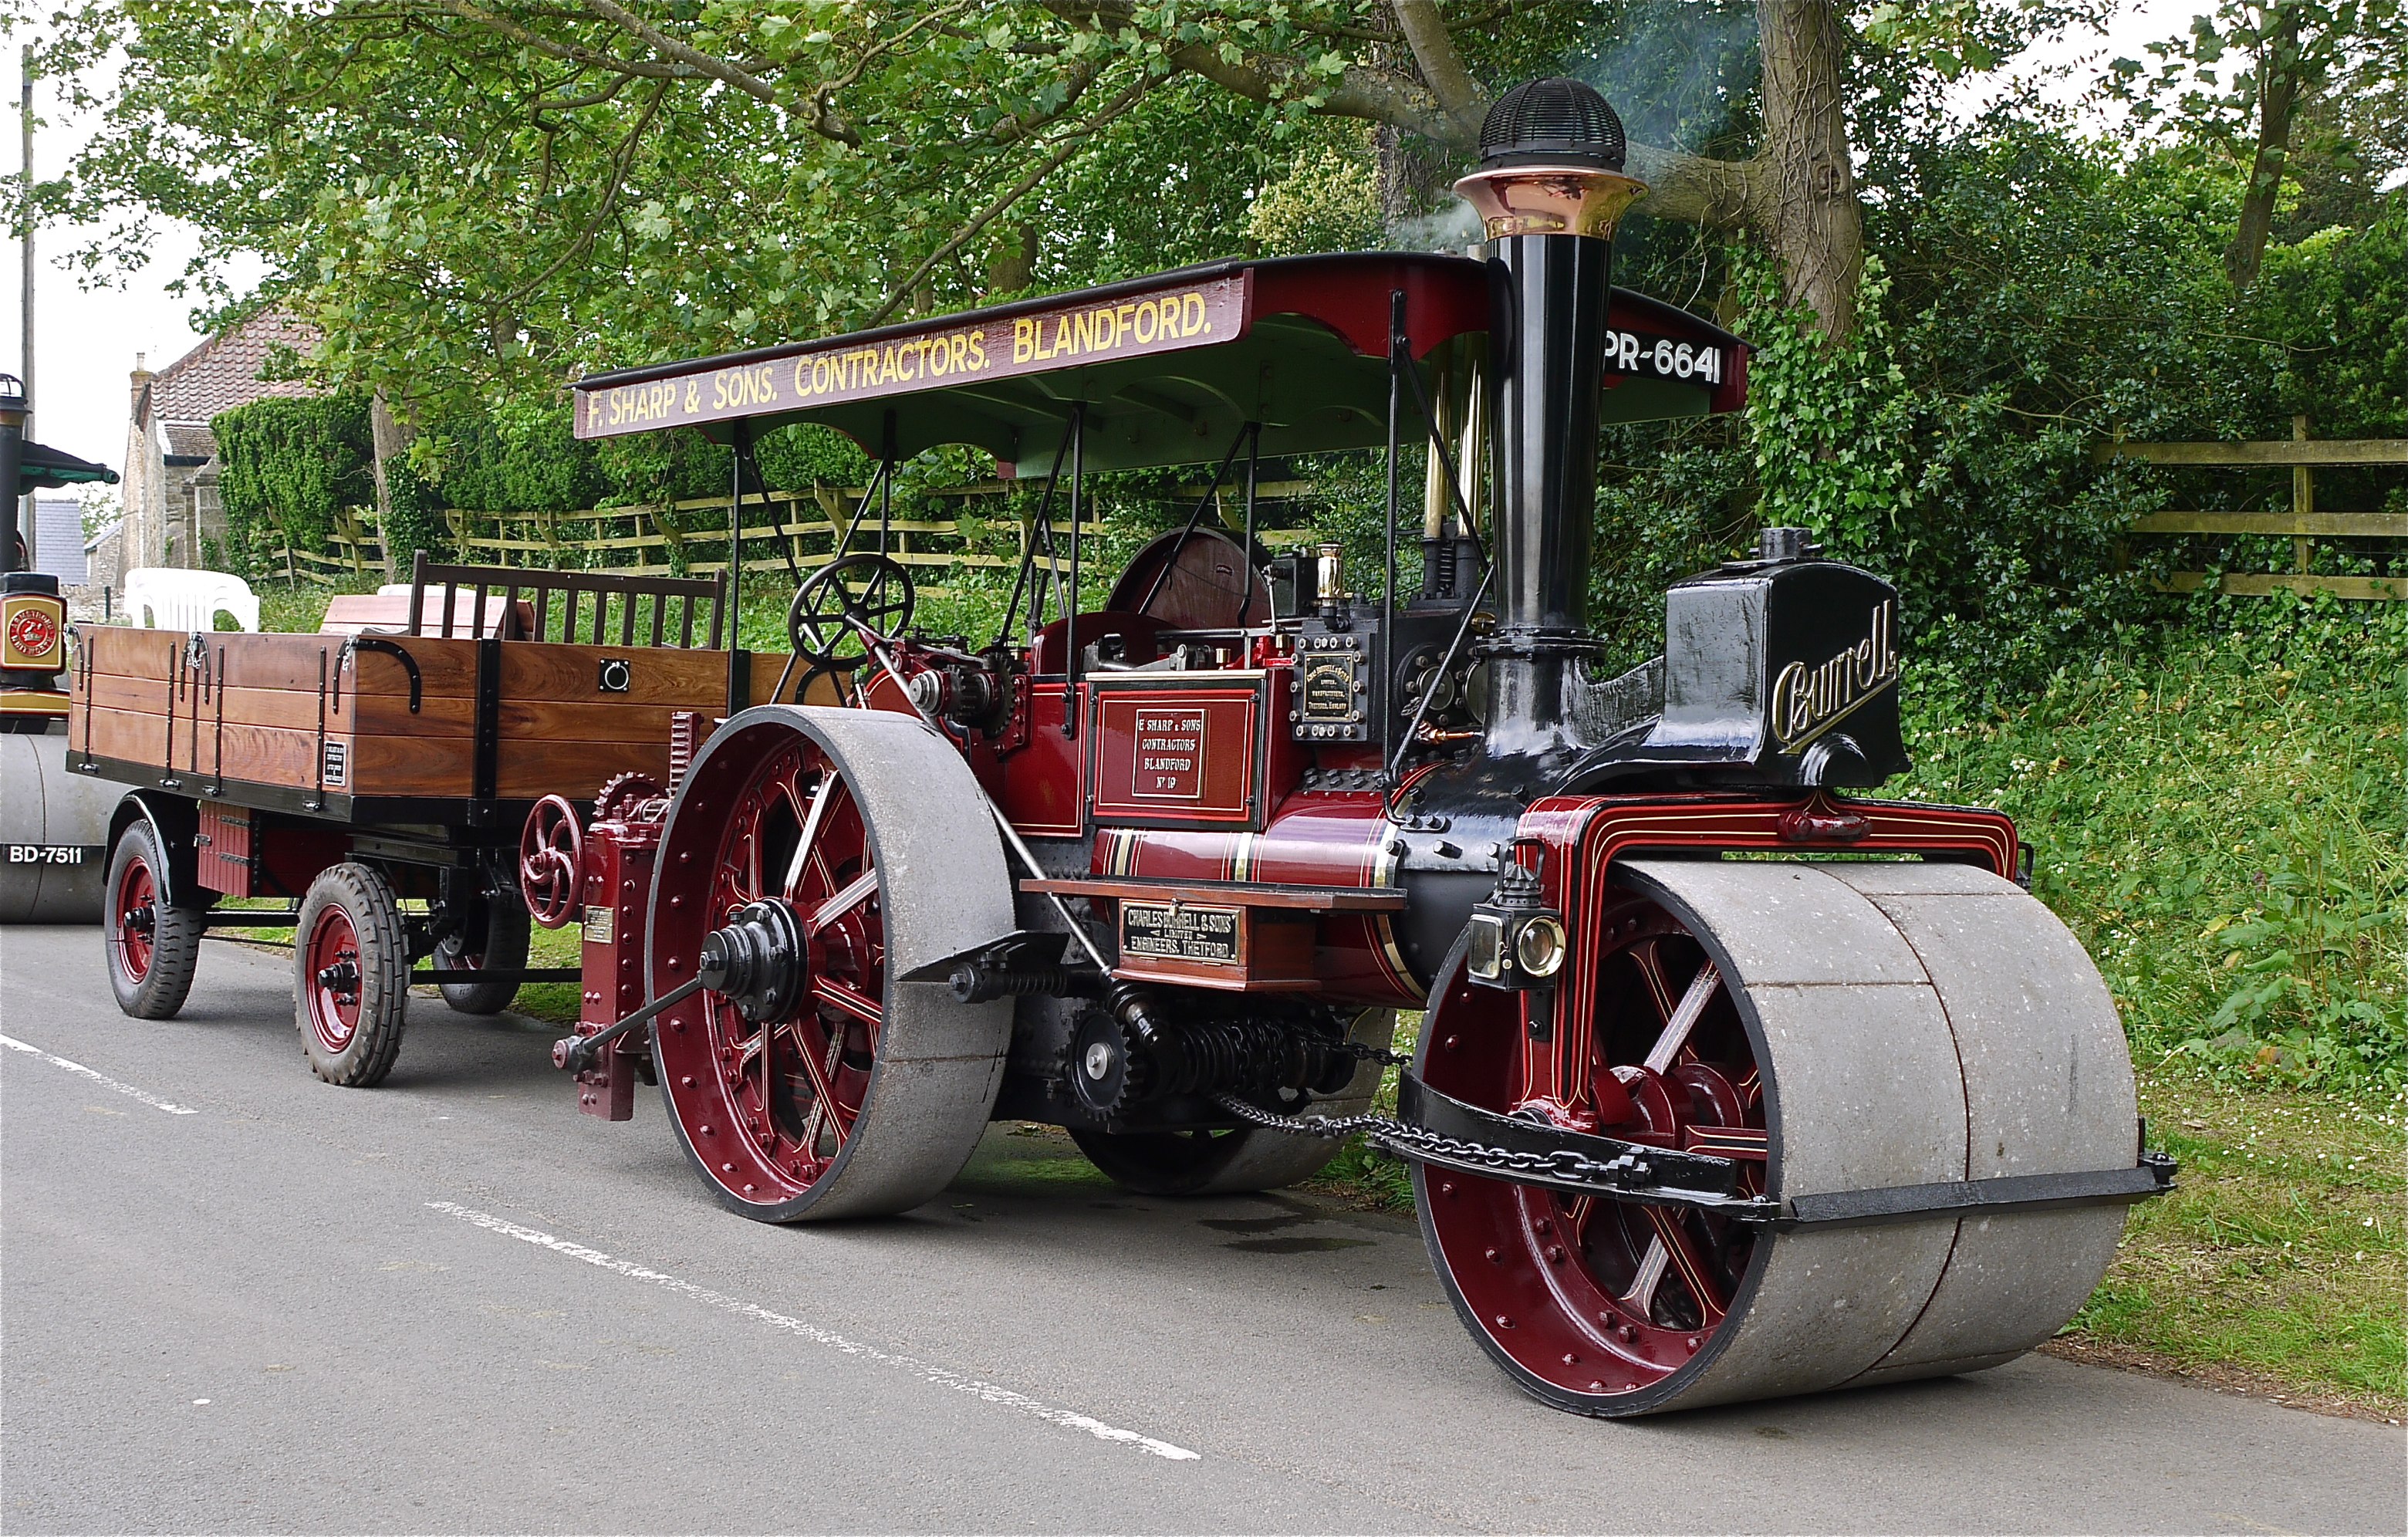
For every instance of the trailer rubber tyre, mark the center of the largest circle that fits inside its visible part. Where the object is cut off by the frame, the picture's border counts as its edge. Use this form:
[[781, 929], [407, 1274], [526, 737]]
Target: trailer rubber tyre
[[502, 944], [152, 946], [1853, 1025], [871, 832], [1235, 1161], [351, 976]]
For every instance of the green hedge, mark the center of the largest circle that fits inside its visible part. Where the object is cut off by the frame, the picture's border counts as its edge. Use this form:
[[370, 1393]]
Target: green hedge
[[287, 465]]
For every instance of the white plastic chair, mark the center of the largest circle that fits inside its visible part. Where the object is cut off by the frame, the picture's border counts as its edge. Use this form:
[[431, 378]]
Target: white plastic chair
[[163, 598]]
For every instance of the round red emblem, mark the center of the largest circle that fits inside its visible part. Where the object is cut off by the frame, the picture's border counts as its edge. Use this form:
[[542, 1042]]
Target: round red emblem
[[31, 632]]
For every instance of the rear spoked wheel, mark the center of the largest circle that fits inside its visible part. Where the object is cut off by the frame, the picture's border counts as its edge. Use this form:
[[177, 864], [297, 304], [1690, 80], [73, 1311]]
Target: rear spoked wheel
[[1591, 1301], [827, 853]]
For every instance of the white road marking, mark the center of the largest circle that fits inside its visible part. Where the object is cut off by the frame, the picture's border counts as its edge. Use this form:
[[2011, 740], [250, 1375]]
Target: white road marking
[[926, 1371], [101, 1078]]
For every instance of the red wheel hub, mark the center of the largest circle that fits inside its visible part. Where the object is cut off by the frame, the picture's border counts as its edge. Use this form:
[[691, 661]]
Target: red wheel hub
[[134, 918], [768, 1102], [1592, 1300], [334, 970]]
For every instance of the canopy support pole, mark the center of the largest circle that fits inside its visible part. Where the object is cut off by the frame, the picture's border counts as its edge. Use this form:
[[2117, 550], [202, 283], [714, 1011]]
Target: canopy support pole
[[1399, 361], [748, 459], [1070, 614], [1446, 461], [886, 485], [739, 664], [861, 509], [1254, 471], [1025, 580]]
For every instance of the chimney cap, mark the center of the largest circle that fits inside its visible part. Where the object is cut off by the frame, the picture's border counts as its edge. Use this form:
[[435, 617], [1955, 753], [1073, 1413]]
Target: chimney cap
[[1552, 122]]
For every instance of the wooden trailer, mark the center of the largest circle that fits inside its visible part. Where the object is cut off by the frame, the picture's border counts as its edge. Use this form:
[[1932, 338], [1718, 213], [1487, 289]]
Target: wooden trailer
[[393, 757]]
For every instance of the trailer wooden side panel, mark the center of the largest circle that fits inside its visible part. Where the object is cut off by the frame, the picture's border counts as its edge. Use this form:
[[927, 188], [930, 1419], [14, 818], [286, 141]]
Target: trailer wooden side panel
[[310, 712]]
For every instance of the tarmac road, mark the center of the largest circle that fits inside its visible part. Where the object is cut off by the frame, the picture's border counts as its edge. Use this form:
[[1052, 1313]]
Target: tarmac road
[[452, 1303]]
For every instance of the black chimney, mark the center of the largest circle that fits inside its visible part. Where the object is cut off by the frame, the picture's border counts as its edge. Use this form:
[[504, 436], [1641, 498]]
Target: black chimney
[[1550, 189]]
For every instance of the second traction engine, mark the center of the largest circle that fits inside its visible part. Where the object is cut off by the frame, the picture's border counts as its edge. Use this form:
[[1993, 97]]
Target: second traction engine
[[1726, 1082]]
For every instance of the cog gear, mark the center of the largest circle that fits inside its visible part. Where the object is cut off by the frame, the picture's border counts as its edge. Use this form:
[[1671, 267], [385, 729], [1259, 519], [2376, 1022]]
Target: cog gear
[[623, 793], [1108, 1068]]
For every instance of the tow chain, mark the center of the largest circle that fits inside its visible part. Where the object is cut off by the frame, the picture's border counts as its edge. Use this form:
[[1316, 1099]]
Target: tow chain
[[1623, 1170], [1630, 1173], [1423, 1145], [1609, 1167]]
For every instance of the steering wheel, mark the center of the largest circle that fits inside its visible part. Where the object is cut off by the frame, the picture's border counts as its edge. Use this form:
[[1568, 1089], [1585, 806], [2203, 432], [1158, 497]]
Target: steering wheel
[[864, 589], [552, 862]]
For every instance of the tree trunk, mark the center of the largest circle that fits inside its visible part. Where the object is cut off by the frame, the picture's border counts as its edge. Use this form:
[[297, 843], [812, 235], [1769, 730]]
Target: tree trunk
[[1012, 264], [1410, 179], [391, 439], [1808, 209], [2279, 68]]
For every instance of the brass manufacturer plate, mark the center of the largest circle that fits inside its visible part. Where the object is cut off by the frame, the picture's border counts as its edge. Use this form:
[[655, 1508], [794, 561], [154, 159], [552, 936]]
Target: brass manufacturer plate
[[1210, 936]]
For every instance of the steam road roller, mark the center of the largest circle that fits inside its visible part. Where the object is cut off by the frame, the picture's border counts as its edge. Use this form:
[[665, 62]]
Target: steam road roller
[[1729, 1083], [1731, 1080]]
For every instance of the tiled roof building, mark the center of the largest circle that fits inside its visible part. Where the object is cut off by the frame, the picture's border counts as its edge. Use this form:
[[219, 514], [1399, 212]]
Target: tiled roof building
[[171, 473]]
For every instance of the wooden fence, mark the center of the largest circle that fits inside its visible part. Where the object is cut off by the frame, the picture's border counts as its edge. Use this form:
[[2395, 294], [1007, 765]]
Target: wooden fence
[[2304, 522], [644, 540]]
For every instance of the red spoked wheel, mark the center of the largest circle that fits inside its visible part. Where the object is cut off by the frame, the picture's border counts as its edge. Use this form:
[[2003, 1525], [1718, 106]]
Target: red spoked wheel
[[778, 1098], [1594, 1305], [781, 850], [332, 959], [552, 859]]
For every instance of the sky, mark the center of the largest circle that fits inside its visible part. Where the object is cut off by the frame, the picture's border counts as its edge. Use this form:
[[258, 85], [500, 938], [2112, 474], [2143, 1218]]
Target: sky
[[86, 340]]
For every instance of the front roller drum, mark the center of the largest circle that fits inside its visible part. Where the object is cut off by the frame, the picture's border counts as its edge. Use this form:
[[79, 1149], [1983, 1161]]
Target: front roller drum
[[835, 851], [1841, 1028]]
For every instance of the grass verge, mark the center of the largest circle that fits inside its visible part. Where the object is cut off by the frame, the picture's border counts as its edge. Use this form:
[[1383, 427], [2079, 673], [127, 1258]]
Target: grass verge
[[2278, 1266]]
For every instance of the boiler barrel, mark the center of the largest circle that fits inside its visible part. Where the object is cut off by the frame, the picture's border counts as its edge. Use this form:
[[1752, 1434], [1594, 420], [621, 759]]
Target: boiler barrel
[[53, 833]]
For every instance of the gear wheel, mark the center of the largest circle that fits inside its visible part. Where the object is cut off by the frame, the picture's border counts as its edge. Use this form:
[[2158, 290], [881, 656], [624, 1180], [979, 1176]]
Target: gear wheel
[[1107, 1069], [623, 793]]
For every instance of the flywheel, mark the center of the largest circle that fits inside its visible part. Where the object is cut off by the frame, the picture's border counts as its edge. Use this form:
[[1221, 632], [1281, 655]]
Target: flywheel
[[1840, 1026], [817, 855]]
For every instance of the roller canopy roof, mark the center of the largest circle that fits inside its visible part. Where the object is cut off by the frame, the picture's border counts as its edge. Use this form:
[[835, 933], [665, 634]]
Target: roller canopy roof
[[1170, 365], [46, 468]]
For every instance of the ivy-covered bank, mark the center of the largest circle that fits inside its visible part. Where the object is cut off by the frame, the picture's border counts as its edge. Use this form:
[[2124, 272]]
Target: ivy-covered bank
[[289, 467]]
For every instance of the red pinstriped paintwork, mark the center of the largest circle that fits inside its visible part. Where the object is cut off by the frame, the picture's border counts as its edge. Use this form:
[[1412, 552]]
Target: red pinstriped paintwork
[[1583, 836], [1337, 840]]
